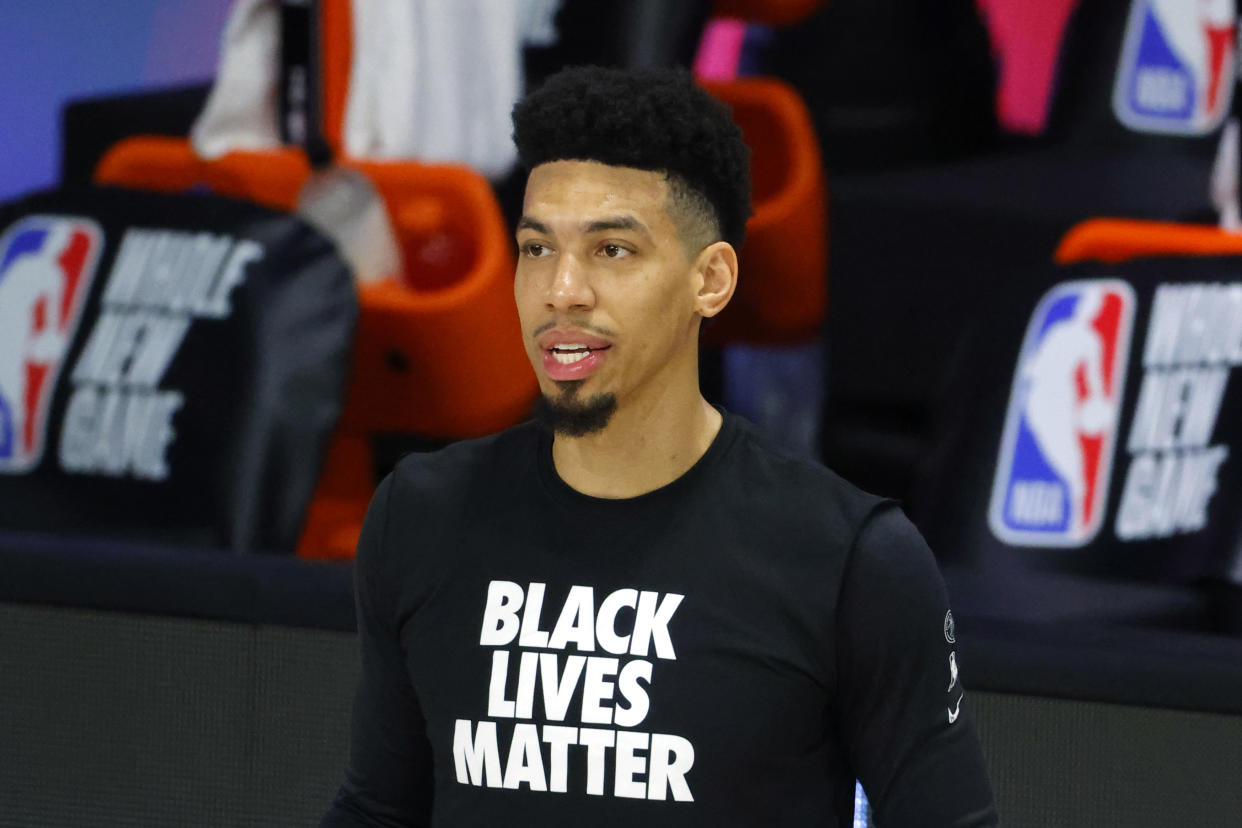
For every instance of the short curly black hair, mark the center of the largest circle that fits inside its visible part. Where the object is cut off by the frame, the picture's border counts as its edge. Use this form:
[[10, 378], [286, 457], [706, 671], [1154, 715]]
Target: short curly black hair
[[649, 119]]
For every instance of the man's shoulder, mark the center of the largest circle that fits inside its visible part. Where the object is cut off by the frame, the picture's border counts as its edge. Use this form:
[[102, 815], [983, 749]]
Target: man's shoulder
[[446, 471], [427, 498], [785, 478]]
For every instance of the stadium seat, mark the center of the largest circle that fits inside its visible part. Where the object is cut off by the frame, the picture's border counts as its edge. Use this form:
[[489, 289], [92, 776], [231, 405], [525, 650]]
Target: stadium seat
[[782, 295], [1111, 241], [1148, 560], [438, 349]]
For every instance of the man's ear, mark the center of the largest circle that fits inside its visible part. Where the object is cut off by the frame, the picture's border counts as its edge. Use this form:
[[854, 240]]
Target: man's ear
[[717, 269]]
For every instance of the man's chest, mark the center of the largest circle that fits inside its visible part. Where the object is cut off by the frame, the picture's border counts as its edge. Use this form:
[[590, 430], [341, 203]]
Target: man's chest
[[638, 679]]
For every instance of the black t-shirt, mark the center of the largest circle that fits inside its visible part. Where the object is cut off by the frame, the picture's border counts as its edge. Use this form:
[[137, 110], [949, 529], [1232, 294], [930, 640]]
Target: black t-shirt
[[734, 648]]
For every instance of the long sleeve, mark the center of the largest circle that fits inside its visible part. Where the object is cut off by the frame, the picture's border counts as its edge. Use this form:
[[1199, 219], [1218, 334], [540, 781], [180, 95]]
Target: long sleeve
[[389, 779], [902, 709]]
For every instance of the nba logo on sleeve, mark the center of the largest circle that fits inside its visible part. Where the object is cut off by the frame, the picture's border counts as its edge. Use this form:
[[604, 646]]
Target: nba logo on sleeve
[[1051, 486], [1177, 66], [46, 266]]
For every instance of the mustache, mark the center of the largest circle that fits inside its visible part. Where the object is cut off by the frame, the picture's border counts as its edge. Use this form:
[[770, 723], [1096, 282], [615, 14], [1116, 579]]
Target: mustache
[[595, 329]]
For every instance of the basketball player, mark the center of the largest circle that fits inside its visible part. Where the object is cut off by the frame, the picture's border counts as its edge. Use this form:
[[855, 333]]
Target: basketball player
[[638, 611]]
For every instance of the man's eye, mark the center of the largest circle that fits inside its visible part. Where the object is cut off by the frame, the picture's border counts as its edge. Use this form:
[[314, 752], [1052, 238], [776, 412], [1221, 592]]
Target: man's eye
[[614, 251], [535, 250]]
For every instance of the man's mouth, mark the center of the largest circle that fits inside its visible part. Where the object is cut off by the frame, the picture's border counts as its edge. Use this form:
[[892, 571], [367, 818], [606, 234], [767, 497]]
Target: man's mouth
[[568, 354], [573, 360]]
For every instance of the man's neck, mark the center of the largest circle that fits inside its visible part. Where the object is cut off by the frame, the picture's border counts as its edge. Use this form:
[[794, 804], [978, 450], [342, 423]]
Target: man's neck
[[642, 448]]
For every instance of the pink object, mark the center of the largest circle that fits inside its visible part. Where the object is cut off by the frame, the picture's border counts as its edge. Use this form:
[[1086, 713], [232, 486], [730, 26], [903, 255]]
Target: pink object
[[1026, 37], [720, 50]]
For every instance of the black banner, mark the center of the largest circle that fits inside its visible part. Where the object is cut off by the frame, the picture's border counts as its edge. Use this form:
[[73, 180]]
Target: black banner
[[1095, 425], [171, 367]]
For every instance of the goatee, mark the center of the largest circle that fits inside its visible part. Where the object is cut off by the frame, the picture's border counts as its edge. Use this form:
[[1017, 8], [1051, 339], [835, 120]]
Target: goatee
[[568, 416]]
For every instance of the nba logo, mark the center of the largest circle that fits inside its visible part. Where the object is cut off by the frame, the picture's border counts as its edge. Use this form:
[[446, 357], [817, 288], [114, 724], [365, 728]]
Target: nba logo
[[1051, 486], [46, 266], [1177, 66]]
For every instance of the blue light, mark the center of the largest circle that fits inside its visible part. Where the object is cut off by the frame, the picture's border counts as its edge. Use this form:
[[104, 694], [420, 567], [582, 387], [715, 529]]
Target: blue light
[[862, 808]]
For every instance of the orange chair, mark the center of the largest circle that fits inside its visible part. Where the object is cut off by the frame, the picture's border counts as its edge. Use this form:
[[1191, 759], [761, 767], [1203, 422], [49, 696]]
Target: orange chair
[[782, 293], [438, 349], [1117, 240]]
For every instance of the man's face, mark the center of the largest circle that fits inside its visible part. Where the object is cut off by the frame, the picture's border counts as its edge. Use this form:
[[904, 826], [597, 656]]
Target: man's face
[[605, 287]]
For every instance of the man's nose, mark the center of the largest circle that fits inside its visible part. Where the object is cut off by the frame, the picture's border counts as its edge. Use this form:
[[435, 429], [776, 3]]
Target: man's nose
[[571, 288]]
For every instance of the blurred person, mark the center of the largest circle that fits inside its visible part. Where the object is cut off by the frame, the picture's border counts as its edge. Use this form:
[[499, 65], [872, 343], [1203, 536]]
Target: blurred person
[[637, 610]]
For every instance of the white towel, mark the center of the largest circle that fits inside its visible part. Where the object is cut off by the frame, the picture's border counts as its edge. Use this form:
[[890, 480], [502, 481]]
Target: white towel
[[241, 110], [436, 81]]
